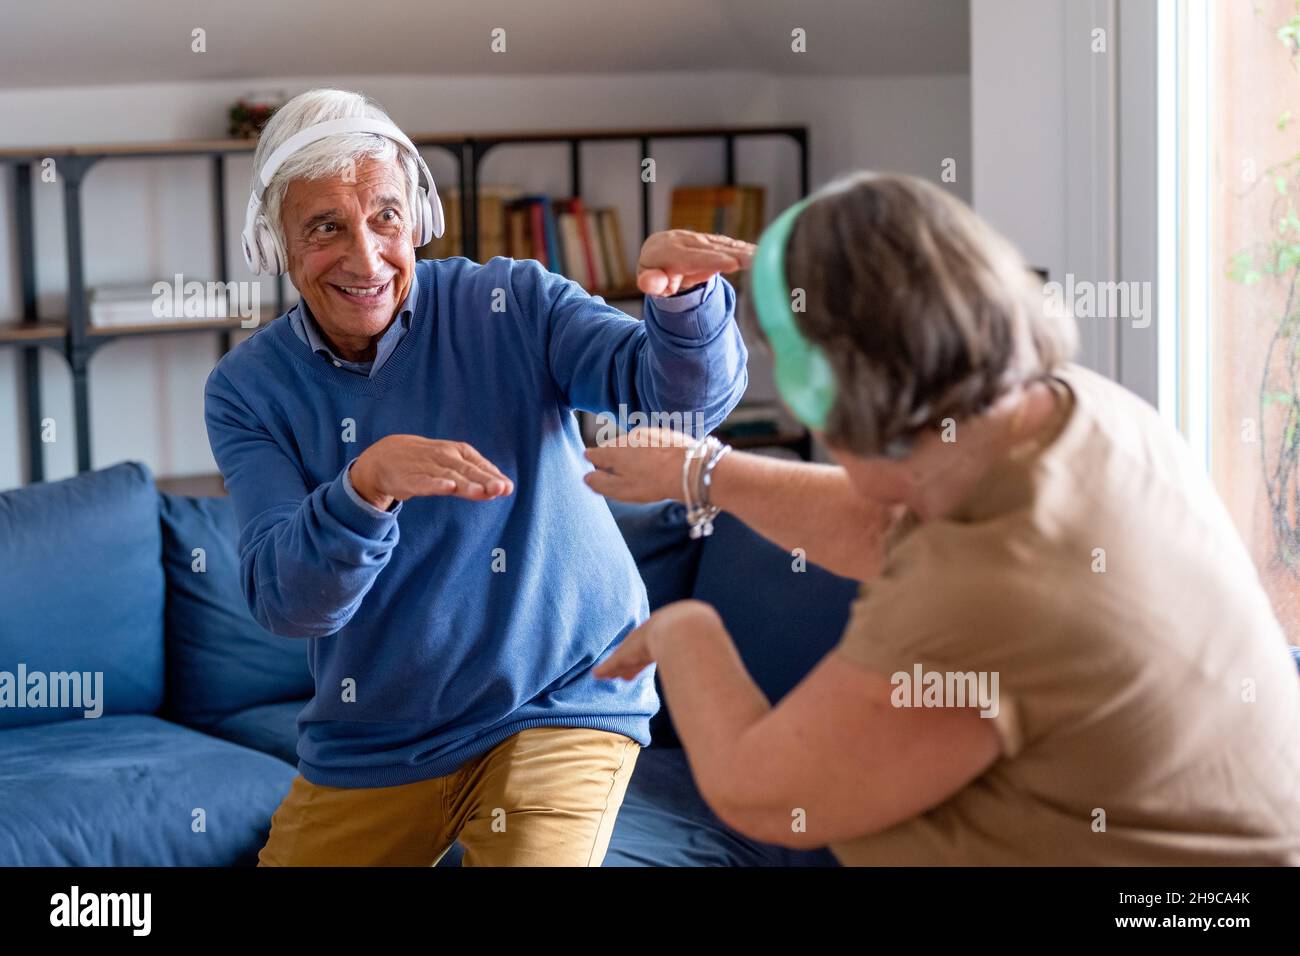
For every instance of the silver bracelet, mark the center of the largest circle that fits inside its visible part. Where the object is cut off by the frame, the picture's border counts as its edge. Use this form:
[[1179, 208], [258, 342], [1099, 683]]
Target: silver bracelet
[[694, 452], [700, 512], [706, 475]]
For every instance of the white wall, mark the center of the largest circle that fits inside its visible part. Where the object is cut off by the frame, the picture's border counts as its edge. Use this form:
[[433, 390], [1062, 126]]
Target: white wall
[[149, 219], [1018, 123], [1064, 153]]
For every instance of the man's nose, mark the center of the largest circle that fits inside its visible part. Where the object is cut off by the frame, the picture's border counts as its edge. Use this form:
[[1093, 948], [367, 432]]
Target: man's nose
[[364, 256]]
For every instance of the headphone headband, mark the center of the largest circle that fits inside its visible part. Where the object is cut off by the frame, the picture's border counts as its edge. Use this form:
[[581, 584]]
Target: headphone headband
[[803, 373], [260, 248]]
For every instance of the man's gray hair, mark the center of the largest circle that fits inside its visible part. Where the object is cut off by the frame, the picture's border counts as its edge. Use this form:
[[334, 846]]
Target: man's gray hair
[[331, 156]]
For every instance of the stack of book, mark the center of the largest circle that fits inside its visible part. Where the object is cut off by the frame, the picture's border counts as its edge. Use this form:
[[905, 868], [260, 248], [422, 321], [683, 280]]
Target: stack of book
[[562, 234], [735, 211], [491, 228], [583, 243], [567, 237], [158, 303]]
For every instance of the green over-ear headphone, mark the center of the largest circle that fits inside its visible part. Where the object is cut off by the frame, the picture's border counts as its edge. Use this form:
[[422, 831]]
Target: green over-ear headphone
[[803, 373]]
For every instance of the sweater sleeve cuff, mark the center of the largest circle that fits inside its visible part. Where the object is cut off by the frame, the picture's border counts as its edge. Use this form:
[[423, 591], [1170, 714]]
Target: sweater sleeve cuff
[[694, 315], [344, 503]]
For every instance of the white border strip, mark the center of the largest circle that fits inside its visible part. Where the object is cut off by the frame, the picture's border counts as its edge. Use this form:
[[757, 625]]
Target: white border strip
[[1196, 115], [1167, 192]]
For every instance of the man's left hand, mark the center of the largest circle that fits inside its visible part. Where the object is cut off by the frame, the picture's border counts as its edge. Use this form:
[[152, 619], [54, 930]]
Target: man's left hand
[[677, 259]]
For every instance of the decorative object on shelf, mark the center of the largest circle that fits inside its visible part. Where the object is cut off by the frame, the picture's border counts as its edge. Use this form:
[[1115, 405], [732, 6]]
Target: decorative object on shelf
[[250, 113]]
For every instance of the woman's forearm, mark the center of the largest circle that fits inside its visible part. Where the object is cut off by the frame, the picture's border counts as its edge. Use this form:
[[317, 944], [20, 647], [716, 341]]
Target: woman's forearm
[[714, 700], [801, 505]]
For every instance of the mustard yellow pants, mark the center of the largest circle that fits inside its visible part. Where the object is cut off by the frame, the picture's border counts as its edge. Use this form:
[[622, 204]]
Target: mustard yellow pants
[[547, 796]]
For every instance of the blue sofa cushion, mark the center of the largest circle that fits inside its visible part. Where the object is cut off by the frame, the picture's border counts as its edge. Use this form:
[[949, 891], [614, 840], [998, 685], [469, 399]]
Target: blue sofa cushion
[[83, 591], [123, 791], [665, 822], [219, 660], [270, 728]]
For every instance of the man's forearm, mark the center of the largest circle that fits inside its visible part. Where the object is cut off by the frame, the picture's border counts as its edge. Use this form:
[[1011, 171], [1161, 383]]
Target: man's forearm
[[307, 555], [696, 361], [306, 568], [807, 506]]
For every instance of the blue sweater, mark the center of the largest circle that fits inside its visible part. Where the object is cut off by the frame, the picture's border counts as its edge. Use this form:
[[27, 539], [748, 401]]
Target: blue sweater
[[442, 627]]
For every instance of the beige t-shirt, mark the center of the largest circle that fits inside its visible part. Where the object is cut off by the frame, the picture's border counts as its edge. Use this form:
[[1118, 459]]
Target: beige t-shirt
[[1149, 711]]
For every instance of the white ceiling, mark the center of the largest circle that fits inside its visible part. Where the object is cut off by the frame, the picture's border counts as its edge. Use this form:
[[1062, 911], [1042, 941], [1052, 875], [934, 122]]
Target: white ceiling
[[90, 42]]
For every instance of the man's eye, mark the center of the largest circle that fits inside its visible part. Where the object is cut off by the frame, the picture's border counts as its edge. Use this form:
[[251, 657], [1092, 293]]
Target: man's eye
[[391, 215], [326, 226]]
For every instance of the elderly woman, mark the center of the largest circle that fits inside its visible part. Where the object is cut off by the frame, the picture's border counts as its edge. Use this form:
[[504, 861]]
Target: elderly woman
[[405, 467], [1020, 525]]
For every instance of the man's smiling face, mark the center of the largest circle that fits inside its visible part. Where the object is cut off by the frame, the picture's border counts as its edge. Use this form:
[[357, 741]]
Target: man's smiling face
[[351, 252]]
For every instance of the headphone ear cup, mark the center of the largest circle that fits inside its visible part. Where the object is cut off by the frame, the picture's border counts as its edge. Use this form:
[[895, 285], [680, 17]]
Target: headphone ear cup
[[806, 383], [268, 249], [426, 218], [250, 256], [257, 249], [259, 254]]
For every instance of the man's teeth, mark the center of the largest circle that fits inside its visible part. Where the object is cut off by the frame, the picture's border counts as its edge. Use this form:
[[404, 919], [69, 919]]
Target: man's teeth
[[353, 290]]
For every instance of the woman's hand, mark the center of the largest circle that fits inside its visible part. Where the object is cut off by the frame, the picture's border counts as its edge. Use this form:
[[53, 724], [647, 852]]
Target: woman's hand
[[643, 465], [644, 645]]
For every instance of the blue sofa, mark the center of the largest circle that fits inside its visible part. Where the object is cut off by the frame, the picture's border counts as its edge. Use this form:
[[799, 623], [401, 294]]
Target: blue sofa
[[194, 743]]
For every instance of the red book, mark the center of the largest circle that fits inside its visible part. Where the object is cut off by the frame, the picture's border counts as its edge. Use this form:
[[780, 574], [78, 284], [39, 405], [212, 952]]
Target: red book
[[587, 248], [539, 235]]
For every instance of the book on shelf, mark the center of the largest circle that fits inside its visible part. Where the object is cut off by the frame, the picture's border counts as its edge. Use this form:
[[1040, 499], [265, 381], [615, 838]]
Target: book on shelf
[[562, 233], [158, 303], [586, 244], [178, 301], [492, 201], [581, 251], [735, 211]]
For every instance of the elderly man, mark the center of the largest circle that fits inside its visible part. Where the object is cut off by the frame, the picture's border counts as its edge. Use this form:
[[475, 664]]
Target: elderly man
[[406, 469]]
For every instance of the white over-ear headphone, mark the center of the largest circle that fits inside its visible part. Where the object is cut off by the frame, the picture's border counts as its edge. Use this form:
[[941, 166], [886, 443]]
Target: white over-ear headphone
[[262, 250]]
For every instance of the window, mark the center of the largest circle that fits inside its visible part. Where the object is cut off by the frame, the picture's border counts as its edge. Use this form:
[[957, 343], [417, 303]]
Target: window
[[1230, 259]]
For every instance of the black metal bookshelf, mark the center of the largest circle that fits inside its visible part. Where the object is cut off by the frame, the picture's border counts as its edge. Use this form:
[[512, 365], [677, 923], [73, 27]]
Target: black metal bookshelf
[[77, 340]]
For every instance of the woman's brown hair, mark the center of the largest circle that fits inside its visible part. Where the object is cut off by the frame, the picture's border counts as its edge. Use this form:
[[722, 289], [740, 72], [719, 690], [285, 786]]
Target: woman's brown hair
[[924, 311]]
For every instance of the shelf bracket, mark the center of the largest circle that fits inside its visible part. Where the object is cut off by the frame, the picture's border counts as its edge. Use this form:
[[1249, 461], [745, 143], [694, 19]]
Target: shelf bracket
[[72, 170]]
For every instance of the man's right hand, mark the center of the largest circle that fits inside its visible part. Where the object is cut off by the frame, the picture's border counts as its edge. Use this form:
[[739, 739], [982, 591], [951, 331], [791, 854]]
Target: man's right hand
[[398, 467]]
